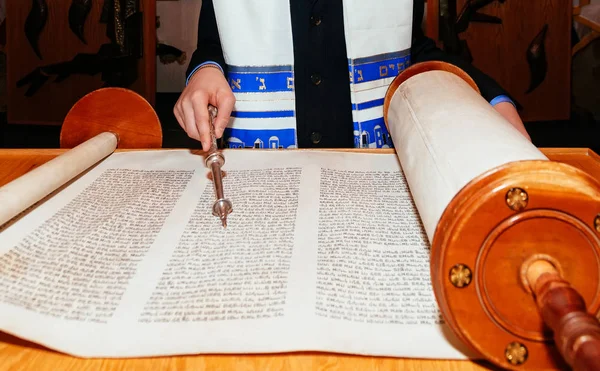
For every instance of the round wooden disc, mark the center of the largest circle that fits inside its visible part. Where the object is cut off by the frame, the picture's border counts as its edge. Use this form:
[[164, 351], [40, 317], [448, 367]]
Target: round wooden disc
[[121, 111], [489, 232], [418, 68]]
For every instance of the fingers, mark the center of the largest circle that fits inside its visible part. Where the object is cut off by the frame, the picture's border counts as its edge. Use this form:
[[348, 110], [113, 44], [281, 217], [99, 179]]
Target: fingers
[[178, 114], [225, 103], [184, 113], [200, 120], [189, 117], [191, 110]]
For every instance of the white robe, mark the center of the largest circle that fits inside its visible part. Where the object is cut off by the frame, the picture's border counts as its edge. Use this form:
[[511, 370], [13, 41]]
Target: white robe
[[256, 37]]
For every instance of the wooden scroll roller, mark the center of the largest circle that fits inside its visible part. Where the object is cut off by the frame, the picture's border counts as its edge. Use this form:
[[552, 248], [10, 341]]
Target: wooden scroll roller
[[515, 257], [95, 126]]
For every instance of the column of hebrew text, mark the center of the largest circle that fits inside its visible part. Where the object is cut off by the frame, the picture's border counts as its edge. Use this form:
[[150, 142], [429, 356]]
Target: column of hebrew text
[[77, 264], [237, 273], [373, 256]]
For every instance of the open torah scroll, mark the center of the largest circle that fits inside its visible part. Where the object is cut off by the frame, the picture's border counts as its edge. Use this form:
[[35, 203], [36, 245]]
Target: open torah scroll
[[324, 251]]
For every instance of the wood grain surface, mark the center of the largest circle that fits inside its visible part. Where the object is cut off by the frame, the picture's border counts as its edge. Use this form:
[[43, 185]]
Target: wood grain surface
[[16, 354], [120, 111], [500, 51]]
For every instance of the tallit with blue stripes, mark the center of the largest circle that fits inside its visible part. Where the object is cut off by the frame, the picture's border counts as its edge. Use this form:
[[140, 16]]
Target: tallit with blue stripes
[[256, 37]]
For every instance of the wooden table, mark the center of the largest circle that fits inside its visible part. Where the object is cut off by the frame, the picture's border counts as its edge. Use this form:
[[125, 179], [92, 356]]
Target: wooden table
[[16, 354]]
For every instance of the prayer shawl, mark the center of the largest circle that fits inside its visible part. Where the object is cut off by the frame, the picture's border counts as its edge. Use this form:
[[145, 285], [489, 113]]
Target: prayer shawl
[[256, 37]]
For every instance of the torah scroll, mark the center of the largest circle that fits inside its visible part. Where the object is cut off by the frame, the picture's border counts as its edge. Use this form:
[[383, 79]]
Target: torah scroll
[[326, 250]]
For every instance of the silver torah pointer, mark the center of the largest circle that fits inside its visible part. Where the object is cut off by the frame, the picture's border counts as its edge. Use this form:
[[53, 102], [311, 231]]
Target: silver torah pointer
[[215, 161]]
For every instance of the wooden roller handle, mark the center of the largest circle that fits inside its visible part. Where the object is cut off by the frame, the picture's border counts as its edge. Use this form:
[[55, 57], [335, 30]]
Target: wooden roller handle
[[576, 332]]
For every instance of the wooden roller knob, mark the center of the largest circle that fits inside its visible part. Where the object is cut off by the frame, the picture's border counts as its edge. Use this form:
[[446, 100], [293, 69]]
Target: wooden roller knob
[[120, 111], [576, 332], [524, 239]]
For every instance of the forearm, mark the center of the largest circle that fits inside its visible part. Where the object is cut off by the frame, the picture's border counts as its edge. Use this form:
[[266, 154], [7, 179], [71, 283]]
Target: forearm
[[509, 112], [209, 48], [490, 90], [424, 49]]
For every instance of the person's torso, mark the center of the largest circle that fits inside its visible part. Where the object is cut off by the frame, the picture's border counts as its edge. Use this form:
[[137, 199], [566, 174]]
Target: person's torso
[[312, 73]]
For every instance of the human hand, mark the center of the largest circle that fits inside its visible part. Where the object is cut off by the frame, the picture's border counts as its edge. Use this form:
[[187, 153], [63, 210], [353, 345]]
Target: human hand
[[509, 112], [206, 86]]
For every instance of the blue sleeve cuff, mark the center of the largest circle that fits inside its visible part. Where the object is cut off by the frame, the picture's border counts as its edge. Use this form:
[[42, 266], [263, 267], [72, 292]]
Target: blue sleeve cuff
[[502, 98], [200, 66]]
